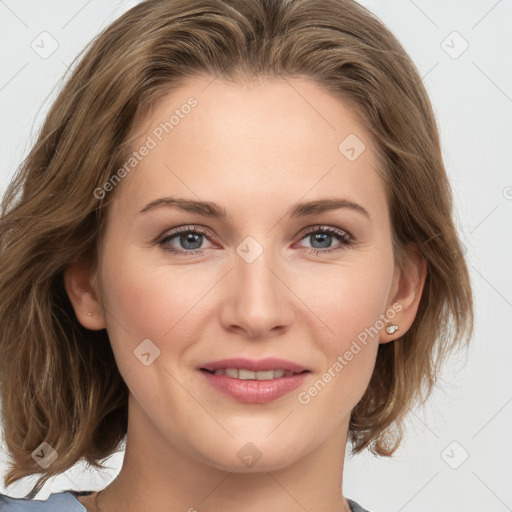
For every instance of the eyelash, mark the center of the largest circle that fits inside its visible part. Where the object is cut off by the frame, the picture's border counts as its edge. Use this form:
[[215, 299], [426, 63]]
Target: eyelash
[[344, 237]]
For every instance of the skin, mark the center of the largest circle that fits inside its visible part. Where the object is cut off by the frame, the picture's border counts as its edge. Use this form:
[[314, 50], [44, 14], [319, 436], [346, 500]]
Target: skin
[[256, 150]]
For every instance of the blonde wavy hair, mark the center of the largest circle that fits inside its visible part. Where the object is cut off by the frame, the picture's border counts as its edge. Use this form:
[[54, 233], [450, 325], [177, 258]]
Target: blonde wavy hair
[[59, 381]]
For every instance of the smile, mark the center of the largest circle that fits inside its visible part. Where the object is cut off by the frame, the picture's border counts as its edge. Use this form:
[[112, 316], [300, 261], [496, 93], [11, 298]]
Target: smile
[[254, 381]]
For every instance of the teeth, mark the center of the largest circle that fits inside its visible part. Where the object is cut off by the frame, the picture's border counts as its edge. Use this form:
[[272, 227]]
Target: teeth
[[264, 375], [244, 374]]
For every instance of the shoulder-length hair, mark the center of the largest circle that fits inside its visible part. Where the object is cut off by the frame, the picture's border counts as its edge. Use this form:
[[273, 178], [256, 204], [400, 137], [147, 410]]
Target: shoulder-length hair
[[59, 381]]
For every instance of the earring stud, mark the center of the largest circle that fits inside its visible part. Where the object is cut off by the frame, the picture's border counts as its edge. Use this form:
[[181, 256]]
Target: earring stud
[[391, 328]]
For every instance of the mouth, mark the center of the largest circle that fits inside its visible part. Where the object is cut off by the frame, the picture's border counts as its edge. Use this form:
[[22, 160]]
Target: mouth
[[254, 381]]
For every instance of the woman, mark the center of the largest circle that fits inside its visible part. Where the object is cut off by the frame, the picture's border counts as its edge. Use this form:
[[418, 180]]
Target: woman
[[231, 248]]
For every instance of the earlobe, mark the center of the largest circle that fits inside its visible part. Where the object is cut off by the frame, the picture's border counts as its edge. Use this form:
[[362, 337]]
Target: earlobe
[[406, 294], [79, 284]]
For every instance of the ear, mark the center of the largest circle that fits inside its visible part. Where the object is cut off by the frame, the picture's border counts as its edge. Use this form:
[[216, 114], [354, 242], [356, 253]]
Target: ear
[[405, 295], [80, 284]]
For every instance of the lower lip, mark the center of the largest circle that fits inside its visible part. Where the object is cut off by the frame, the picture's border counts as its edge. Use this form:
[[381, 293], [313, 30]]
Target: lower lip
[[255, 391]]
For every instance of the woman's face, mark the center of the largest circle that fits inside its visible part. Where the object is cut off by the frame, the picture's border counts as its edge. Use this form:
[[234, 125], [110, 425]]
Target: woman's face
[[260, 282]]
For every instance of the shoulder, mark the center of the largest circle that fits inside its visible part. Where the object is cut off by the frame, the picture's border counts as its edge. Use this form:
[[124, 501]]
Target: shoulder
[[58, 502], [355, 507]]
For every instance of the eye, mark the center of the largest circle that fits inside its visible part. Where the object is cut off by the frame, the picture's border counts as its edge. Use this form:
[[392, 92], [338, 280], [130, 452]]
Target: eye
[[322, 237], [190, 239]]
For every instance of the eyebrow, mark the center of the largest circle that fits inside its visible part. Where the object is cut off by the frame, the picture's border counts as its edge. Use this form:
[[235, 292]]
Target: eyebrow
[[209, 209]]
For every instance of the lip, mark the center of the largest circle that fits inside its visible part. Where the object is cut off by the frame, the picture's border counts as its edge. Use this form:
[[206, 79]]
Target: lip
[[255, 365], [254, 391]]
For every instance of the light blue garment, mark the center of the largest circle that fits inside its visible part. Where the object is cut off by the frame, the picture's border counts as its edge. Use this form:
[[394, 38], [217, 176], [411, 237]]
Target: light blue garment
[[58, 502], [66, 502]]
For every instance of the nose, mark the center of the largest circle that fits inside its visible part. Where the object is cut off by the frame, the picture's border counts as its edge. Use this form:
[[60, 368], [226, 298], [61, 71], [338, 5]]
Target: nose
[[256, 301]]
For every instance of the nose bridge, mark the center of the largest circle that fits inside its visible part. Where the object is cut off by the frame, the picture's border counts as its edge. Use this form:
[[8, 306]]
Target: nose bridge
[[258, 294]]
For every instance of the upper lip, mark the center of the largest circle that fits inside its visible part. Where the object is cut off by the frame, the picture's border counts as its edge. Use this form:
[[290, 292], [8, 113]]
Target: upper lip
[[255, 365]]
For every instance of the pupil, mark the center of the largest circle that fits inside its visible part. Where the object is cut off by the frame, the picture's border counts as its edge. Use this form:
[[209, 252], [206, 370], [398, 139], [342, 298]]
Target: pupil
[[190, 238], [323, 238]]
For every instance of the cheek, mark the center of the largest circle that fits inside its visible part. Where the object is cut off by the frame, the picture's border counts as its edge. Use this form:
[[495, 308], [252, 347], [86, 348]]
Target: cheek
[[155, 302], [352, 306], [350, 300]]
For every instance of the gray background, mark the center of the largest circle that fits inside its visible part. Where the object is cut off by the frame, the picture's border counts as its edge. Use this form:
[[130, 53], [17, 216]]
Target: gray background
[[457, 454]]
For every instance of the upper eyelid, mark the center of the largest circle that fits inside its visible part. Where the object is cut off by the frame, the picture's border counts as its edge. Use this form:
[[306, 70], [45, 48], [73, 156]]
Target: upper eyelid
[[185, 229]]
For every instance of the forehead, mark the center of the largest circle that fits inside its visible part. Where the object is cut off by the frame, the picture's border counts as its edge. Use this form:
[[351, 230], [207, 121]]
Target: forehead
[[283, 140]]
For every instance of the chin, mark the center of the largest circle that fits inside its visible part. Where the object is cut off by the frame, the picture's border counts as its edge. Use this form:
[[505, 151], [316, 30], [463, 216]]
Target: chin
[[263, 465], [244, 456]]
